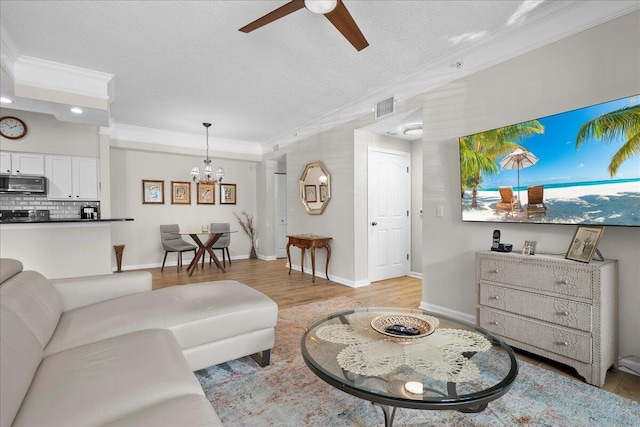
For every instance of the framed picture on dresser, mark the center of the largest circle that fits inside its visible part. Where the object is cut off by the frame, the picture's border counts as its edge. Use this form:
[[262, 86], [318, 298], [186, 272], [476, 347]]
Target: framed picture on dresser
[[584, 243]]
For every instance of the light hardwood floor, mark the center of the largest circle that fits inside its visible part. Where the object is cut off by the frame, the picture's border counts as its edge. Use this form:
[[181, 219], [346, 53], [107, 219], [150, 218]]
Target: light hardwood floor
[[271, 278]]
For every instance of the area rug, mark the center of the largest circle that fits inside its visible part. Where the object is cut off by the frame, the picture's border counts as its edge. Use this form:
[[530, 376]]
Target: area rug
[[287, 394]]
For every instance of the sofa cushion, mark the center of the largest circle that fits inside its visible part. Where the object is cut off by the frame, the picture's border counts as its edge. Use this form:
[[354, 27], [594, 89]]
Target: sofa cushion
[[20, 355], [31, 296], [9, 268], [197, 314], [183, 411], [104, 381]]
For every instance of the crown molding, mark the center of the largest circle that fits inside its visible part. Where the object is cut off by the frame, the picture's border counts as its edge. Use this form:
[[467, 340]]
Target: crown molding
[[145, 135], [53, 76], [8, 52]]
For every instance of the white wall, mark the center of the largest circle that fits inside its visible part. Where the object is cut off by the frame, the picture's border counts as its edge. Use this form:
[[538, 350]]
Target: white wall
[[46, 135], [142, 237], [594, 66]]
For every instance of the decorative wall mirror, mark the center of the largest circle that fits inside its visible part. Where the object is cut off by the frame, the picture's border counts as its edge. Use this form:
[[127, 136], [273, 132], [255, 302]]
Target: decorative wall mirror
[[315, 187]]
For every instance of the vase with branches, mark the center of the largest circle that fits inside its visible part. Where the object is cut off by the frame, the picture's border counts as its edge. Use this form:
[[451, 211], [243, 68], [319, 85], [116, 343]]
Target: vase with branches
[[245, 220]]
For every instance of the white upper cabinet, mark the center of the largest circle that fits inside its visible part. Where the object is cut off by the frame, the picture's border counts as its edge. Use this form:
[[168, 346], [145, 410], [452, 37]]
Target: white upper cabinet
[[73, 178], [5, 162], [22, 163]]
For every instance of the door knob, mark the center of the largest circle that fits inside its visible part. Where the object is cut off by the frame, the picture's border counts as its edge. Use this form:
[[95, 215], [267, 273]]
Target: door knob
[[374, 223]]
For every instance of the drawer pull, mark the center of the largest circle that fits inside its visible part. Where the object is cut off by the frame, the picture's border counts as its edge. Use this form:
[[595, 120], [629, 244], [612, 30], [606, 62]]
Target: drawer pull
[[493, 323], [493, 297], [563, 313], [494, 271], [562, 282], [563, 343]]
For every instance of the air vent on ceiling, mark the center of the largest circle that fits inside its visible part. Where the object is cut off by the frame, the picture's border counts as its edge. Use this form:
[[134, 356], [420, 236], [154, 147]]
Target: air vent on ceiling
[[385, 108]]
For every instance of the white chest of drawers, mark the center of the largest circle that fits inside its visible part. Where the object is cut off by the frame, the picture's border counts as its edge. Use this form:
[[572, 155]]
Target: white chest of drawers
[[556, 308]]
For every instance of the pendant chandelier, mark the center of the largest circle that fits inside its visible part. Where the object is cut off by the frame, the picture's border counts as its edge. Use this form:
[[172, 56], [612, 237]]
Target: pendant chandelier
[[207, 174]]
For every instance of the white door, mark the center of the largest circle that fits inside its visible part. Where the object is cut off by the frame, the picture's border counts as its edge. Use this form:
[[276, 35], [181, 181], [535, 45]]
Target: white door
[[280, 183], [389, 194]]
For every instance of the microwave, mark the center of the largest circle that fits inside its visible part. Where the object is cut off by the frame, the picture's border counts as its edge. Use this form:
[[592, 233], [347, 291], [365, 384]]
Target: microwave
[[23, 184]]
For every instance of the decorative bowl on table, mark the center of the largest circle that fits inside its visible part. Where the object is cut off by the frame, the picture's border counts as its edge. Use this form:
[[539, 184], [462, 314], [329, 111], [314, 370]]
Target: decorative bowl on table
[[402, 328]]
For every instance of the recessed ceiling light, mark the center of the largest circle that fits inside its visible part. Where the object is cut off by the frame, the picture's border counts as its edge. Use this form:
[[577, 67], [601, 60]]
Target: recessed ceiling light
[[5, 100], [415, 129], [76, 110]]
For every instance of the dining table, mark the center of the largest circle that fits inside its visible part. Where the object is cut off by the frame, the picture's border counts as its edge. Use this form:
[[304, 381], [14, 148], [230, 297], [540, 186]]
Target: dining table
[[206, 247]]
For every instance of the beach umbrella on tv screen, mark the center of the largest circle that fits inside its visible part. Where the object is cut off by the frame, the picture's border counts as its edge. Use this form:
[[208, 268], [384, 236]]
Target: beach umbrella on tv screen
[[519, 159]]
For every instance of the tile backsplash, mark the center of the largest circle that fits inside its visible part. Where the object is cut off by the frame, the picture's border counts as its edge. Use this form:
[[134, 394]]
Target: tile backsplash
[[57, 209]]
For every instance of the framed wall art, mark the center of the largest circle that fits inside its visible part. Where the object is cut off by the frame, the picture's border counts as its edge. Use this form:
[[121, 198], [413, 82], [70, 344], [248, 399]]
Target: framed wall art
[[584, 243], [310, 193], [180, 192], [206, 193], [152, 192], [227, 194]]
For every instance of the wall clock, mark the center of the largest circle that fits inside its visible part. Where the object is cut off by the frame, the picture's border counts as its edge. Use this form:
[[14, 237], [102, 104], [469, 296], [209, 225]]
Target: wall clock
[[12, 127]]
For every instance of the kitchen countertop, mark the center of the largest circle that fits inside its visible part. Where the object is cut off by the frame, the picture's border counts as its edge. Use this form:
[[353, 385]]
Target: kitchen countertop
[[68, 220]]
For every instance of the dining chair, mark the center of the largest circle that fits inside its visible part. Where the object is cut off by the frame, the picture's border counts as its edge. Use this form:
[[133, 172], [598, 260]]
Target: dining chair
[[507, 202], [535, 201], [172, 241], [223, 242]]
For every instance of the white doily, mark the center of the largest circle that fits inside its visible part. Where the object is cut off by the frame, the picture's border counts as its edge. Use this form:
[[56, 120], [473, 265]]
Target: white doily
[[438, 356]]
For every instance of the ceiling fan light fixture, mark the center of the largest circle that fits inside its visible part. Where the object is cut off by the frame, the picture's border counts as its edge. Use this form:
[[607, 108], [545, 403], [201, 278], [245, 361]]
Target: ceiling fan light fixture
[[415, 129], [320, 7]]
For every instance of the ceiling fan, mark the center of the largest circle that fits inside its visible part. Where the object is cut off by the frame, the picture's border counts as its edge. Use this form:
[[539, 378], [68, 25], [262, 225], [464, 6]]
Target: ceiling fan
[[334, 10]]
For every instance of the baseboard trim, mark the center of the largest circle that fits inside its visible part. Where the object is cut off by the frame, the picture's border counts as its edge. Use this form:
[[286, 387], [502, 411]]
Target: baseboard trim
[[415, 274], [448, 312], [336, 279]]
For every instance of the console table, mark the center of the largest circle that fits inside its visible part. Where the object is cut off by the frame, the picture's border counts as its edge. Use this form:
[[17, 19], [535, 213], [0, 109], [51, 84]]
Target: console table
[[309, 241], [560, 309]]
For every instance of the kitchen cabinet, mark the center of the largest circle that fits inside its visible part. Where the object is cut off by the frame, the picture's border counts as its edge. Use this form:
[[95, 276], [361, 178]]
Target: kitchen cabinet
[[21, 163], [556, 308], [73, 178]]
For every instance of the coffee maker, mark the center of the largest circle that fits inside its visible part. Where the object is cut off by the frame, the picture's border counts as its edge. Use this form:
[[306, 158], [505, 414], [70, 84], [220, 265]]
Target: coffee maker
[[88, 212]]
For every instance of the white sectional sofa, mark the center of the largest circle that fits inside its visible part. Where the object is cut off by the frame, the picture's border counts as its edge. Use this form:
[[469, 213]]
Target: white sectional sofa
[[107, 350]]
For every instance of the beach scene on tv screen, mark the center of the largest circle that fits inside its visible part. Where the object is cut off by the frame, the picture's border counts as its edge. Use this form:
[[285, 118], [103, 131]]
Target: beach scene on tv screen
[[576, 167]]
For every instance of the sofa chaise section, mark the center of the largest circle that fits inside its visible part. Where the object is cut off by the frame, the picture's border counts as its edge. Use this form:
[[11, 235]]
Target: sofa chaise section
[[213, 322]]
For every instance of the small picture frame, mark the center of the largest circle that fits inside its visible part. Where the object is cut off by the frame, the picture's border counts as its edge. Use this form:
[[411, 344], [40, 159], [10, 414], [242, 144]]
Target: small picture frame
[[310, 193], [206, 193], [227, 194], [324, 192], [529, 247], [152, 192], [180, 192], [584, 243]]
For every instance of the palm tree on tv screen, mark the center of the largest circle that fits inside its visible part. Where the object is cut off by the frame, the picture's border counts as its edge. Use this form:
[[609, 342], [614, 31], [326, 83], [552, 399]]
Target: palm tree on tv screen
[[622, 123], [478, 152]]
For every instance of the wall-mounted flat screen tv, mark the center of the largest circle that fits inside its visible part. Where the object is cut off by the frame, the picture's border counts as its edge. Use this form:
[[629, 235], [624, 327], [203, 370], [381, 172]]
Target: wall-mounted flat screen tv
[[577, 167]]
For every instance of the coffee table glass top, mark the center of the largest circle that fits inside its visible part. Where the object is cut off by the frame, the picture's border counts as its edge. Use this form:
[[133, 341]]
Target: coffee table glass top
[[450, 365]]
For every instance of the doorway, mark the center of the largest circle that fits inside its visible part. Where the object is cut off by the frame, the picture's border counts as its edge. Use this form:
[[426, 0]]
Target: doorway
[[280, 184]]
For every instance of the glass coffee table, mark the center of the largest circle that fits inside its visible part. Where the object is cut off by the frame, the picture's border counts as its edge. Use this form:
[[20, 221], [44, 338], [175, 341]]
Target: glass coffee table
[[409, 359]]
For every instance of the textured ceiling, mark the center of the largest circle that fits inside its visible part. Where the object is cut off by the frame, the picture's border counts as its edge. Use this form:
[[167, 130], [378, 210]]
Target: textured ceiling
[[180, 63]]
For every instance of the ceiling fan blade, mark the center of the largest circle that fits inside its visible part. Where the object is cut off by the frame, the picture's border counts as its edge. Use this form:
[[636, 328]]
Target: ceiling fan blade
[[280, 12], [342, 20]]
